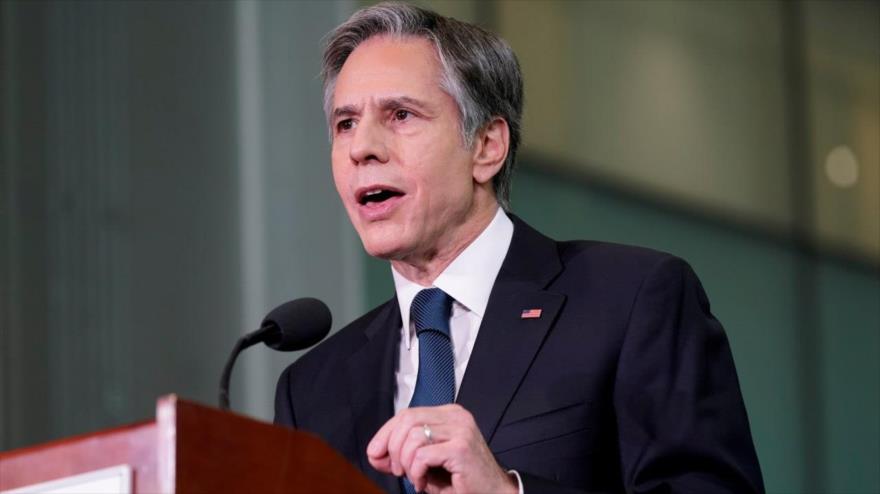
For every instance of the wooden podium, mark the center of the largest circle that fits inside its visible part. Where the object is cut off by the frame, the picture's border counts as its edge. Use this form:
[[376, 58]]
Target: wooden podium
[[192, 448]]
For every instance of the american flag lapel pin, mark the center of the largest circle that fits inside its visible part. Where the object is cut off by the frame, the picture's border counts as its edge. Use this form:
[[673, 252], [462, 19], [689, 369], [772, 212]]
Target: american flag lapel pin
[[530, 314]]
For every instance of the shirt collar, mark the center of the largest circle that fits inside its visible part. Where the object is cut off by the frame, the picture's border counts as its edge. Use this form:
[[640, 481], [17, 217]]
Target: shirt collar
[[470, 276]]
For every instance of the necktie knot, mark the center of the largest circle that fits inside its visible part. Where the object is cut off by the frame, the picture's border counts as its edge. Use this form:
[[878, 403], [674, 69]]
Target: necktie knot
[[430, 310]]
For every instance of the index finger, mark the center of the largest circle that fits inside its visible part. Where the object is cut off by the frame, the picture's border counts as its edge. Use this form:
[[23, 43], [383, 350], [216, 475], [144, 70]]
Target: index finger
[[378, 446]]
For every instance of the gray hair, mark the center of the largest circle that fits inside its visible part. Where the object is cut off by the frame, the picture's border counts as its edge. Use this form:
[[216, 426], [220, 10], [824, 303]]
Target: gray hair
[[480, 70]]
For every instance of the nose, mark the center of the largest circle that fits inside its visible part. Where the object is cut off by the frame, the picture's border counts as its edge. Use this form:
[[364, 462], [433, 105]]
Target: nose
[[368, 143]]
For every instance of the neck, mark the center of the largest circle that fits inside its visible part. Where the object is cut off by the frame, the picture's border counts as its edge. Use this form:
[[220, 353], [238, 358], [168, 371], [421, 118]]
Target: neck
[[426, 267]]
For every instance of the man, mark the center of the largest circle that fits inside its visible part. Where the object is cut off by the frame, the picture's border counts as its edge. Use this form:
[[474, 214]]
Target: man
[[506, 362]]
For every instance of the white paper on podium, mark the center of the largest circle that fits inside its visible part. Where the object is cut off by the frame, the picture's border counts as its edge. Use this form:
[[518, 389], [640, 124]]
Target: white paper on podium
[[111, 480]]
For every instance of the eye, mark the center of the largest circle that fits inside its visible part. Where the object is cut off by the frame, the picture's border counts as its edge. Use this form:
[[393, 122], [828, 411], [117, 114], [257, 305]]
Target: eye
[[344, 125], [401, 115]]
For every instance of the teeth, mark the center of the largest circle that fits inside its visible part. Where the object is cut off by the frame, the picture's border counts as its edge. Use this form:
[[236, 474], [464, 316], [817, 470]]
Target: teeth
[[377, 195], [368, 195]]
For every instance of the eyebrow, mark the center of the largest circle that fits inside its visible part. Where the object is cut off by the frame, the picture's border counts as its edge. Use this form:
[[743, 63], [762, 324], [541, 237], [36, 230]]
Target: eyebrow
[[345, 111], [385, 104]]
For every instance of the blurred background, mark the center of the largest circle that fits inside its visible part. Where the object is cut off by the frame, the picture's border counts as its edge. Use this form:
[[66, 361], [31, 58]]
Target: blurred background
[[165, 182]]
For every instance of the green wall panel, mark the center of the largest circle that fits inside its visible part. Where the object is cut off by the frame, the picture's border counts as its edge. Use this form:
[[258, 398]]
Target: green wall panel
[[850, 378]]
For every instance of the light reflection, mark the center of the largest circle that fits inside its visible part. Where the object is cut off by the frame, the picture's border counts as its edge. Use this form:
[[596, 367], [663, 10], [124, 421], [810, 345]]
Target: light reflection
[[842, 167]]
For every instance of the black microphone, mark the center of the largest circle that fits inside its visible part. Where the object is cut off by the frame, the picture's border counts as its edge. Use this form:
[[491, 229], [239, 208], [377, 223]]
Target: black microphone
[[291, 326]]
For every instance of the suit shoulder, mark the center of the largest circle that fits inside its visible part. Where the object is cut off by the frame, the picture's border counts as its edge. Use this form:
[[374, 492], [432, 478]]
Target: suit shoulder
[[613, 257], [621, 270]]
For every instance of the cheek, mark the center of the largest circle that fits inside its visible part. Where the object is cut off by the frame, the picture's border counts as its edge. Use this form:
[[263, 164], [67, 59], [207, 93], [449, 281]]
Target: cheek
[[450, 180], [340, 179]]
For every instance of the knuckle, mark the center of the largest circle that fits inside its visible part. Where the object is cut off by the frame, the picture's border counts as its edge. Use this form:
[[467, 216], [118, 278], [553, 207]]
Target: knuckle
[[419, 458], [459, 447], [469, 434], [393, 447], [461, 414], [405, 416], [414, 433]]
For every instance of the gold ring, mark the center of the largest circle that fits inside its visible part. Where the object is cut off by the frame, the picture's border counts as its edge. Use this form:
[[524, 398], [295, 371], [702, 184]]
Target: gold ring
[[428, 434]]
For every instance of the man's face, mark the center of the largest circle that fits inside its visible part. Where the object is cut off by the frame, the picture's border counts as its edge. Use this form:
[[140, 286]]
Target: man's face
[[399, 163]]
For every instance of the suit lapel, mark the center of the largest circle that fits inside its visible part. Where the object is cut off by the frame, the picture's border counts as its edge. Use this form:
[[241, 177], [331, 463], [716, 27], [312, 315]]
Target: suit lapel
[[371, 381], [507, 343]]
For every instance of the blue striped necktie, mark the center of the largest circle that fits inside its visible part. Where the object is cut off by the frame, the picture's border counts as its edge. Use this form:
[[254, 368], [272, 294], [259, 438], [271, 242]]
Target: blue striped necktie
[[435, 384]]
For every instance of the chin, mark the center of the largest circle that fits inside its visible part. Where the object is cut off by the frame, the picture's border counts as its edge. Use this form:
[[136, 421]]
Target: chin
[[382, 248], [383, 240]]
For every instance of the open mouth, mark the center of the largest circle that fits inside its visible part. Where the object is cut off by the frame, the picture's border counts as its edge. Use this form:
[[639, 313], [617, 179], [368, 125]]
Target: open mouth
[[377, 195]]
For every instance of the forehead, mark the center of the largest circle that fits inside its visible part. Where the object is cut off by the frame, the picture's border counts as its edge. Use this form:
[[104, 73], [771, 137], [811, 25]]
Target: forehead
[[383, 66]]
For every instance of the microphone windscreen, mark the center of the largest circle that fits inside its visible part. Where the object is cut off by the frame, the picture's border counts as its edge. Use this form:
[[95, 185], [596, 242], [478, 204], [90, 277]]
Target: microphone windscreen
[[301, 323]]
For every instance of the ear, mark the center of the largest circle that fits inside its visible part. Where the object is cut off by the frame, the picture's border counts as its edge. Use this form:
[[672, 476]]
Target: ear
[[490, 150]]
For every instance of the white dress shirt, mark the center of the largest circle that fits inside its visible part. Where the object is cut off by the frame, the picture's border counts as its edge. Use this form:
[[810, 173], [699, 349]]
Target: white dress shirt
[[468, 280]]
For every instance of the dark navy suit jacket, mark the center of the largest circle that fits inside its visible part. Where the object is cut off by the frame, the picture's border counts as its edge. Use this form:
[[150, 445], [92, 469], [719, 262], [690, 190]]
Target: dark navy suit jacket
[[625, 383]]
